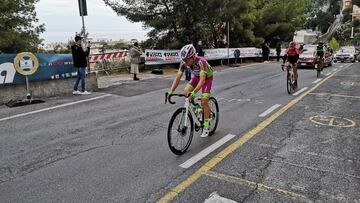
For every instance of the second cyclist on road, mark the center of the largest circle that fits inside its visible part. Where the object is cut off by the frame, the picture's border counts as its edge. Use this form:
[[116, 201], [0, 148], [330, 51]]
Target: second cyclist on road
[[319, 54], [291, 57]]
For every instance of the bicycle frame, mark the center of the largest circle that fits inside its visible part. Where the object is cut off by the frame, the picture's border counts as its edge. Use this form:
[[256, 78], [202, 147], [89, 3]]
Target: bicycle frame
[[187, 107]]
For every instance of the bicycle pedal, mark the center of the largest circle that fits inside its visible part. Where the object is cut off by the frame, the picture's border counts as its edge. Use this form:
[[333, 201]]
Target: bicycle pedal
[[197, 127]]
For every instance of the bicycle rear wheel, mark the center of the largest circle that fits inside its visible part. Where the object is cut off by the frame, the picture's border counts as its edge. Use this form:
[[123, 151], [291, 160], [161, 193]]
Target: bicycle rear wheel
[[180, 136], [214, 113], [318, 70]]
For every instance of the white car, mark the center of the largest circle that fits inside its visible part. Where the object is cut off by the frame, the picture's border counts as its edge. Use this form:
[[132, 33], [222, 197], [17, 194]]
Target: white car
[[348, 53]]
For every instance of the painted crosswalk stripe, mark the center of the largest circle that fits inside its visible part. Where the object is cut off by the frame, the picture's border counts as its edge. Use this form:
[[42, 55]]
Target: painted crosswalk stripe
[[300, 91], [207, 151], [269, 110]]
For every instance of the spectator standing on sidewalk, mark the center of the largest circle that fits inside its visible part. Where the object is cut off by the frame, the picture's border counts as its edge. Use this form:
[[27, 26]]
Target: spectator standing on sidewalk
[[278, 52], [80, 62], [265, 51], [135, 53]]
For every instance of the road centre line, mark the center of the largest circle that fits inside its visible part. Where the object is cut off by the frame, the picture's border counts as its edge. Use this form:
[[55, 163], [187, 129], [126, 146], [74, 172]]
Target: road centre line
[[316, 81], [234, 146], [300, 91], [207, 151], [335, 95], [54, 107], [328, 74], [269, 110], [240, 181]]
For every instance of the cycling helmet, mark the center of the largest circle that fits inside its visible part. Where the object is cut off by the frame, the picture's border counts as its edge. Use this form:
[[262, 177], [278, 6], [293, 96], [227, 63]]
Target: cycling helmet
[[292, 43], [187, 51], [321, 43]]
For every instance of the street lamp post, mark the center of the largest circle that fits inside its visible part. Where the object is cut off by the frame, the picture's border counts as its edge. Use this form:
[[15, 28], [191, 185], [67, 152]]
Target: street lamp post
[[228, 42]]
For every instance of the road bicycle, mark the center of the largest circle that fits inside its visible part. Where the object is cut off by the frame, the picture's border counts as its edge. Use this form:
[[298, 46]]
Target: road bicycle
[[186, 119], [290, 81], [319, 65]]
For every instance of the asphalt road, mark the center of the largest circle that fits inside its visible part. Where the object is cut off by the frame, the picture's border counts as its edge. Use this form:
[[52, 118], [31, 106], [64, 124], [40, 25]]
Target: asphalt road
[[112, 147]]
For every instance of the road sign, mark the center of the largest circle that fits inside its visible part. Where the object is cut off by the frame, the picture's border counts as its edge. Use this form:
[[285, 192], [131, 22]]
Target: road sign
[[26, 63]]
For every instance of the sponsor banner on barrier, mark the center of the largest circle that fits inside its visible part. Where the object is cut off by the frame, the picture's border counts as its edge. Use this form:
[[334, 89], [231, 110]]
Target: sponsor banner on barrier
[[156, 57], [51, 66]]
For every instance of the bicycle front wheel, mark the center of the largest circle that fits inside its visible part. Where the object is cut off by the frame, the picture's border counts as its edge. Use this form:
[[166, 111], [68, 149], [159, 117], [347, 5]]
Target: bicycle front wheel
[[289, 84], [180, 136]]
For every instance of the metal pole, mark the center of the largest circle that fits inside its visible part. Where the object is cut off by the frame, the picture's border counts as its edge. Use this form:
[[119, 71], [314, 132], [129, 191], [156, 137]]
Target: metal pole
[[82, 18], [228, 36], [84, 31], [28, 95]]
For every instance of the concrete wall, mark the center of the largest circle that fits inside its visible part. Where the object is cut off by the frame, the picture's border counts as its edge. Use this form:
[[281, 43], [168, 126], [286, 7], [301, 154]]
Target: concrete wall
[[45, 89]]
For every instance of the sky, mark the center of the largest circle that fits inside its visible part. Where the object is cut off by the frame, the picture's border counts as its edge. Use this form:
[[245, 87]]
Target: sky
[[62, 21]]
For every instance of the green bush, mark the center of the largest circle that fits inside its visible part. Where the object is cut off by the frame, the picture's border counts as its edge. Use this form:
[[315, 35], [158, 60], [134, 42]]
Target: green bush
[[334, 44]]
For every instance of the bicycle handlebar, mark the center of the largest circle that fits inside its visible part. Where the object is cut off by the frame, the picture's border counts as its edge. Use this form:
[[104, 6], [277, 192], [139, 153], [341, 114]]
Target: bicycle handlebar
[[168, 98], [179, 95]]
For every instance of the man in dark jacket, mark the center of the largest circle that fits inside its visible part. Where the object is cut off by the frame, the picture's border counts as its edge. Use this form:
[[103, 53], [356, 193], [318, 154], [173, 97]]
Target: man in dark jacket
[[80, 62]]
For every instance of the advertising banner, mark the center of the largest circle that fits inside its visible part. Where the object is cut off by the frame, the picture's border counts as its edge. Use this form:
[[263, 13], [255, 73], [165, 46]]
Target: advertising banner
[[157, 57], [50, 66]]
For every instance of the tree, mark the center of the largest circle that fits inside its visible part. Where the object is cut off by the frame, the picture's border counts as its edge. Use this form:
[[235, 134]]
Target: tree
[[18, 31], [178, 22], [356, 2], [347, 15], [277, 20], [334, 44], [174, 23]]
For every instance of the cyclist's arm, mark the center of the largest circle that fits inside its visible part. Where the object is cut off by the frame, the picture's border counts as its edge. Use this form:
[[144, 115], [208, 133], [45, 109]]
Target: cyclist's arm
[[285, 58], [176, 81]]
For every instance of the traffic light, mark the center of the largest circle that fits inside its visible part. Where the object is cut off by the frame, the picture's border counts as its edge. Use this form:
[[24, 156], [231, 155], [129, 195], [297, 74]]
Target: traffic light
[[82, 8]]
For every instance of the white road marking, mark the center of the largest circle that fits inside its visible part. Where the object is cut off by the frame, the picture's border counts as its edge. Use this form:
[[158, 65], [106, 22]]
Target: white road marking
[[327, 74], [316, 81], [207, 151], [215, 71], [269, 110], [300, 91], [54, 107], [335, 69]]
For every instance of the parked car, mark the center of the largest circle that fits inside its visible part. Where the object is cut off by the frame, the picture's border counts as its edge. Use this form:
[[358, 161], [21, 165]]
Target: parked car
[[308, 60], [347, 53]]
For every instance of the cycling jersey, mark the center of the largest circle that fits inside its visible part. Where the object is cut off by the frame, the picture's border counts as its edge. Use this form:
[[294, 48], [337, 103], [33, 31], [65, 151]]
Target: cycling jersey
[[201, 67], [292, 55], [320, 51]]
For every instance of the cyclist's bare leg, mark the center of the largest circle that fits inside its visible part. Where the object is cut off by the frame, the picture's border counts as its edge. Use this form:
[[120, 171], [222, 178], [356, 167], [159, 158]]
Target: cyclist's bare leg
[[295, 72], [187, 90], [206, 107]]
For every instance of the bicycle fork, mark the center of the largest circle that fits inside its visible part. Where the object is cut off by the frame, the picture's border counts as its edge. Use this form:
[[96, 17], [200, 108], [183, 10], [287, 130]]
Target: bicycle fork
[[187, 104]]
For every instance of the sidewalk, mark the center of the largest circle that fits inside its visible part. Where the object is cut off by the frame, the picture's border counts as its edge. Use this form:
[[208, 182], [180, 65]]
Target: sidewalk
[[309, 151], [126, 78]]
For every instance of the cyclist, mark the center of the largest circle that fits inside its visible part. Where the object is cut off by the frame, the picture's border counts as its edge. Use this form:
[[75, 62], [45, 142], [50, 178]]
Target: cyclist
[[319, 52], [291, 57], [202, 79]]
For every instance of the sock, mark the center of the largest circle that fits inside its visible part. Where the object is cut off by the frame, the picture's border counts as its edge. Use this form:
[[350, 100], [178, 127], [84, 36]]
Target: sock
[[207, 123]]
